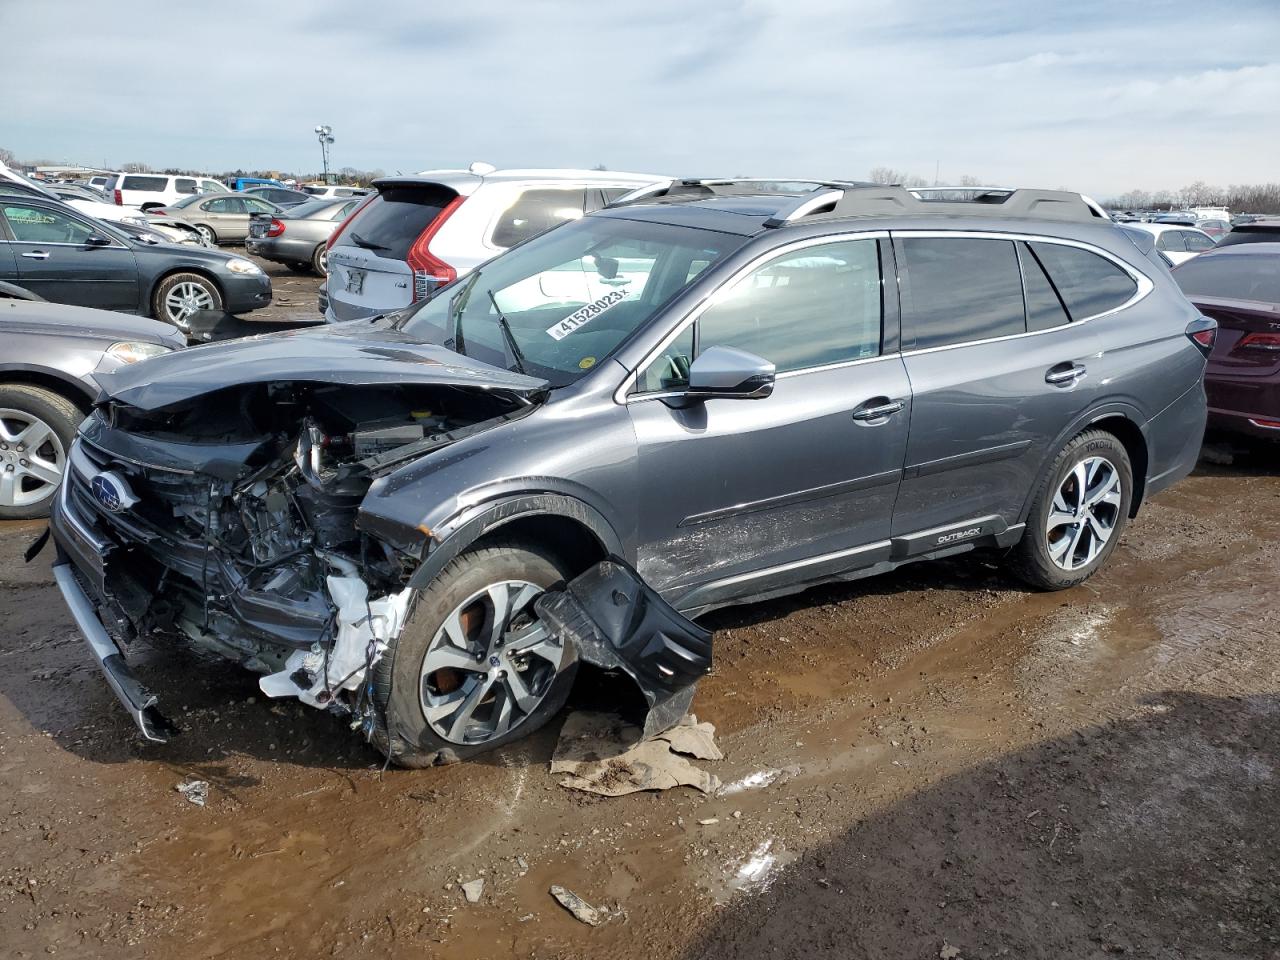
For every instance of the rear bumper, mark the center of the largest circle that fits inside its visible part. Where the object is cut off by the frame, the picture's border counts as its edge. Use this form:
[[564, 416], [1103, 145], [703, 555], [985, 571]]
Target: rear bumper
[[281, 249], [1236, 404]]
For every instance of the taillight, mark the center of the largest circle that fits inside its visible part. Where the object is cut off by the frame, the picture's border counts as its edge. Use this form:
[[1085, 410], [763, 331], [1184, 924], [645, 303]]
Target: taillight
[[1203, 332], [157, 212], [1259, 341], [119, 199], [429, 271], [275, 229], [333, 238]]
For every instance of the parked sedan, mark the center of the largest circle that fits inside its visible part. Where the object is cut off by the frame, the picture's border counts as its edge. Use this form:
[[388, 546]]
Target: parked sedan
[[300, 236], [1177, 240], [1258, 230], [51, 354], [1239, 286], [280, 196], [65, 257], [223, 218]]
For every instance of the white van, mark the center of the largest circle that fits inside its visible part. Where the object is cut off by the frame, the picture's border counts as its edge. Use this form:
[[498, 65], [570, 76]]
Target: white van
[[143, 191]]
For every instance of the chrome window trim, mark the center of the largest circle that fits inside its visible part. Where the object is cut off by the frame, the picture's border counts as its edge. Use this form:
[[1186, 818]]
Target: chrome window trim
[[621, 394], [1145, 283]]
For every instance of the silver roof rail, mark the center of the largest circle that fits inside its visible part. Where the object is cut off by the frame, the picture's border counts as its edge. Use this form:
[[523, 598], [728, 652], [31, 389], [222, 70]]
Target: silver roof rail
[[890, 201], [693, 188]]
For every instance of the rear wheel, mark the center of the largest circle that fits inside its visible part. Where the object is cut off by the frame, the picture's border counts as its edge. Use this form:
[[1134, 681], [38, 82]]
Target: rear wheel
[[1078, 515], [320, 260], [473, 667], [178, 296], [36, 430]]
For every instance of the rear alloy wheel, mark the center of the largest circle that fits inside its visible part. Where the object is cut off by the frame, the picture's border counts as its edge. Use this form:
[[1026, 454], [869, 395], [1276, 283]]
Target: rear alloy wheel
[[36, 430], [320, 260], [1078, 514], [181, 295], [473, 667]]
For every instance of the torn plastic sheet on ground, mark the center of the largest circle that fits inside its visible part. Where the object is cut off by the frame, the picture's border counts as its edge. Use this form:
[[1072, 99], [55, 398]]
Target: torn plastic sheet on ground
[[362, 629], [603, 754]]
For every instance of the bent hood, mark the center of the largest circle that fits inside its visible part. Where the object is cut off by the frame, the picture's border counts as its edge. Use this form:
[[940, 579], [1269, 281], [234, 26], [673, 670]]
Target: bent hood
[[355, 353]]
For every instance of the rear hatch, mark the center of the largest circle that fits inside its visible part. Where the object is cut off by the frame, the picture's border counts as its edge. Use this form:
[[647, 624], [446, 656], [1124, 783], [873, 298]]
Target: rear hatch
[[369, 270], [1239, 288]]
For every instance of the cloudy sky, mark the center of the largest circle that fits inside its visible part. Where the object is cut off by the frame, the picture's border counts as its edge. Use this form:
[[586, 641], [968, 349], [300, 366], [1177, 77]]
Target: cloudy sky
[[1096, 95]]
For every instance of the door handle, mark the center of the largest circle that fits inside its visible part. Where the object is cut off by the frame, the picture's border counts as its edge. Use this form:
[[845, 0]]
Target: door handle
[[1063, 375], [37, 255], [877, 409]]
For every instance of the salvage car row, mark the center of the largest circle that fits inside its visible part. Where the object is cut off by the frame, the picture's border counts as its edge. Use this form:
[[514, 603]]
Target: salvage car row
[[429, 516]]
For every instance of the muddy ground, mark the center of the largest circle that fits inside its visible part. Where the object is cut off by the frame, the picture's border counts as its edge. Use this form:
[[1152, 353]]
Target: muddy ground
[[934, 763]]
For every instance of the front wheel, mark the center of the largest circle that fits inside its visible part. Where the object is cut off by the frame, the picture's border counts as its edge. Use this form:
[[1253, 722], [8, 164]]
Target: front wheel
[[179, 296], [1080, 510], [473, 667], [207, 237], [36, 430]]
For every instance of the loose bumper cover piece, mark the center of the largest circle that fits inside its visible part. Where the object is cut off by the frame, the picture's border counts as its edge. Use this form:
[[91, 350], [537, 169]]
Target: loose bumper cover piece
[[139, 701], [617, 622]]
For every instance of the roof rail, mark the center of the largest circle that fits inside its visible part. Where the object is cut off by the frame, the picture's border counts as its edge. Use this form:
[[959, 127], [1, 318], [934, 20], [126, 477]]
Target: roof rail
[[889, 201], [696, 188]]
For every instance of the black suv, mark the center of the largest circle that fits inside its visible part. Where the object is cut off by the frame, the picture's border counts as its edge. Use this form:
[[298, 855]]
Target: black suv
[[704, 394]]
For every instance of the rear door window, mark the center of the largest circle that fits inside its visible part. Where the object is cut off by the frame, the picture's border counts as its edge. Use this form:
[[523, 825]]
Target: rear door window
[[1196, 242], [184, 185], [1171, 242], [1044, 309], [958, 289], [149, 184], [224, 205], [535, 211], [389, 225], [1087, 283], [816, 306], [212, 186]]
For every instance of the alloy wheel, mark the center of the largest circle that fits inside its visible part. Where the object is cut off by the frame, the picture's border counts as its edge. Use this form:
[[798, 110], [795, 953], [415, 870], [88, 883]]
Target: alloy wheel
[[489, 666], [206, 236], [185, 299], [32, 459], [1084, 513]]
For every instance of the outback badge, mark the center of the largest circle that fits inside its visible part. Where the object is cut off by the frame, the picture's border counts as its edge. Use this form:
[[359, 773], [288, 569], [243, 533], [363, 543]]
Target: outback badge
[[112, 491]]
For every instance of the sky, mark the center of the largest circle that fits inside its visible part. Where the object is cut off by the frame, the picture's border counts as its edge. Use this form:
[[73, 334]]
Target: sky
[[1094, 95]]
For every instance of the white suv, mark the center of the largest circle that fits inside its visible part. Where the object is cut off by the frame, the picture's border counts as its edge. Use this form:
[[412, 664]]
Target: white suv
[[146, 190], [420, 232]]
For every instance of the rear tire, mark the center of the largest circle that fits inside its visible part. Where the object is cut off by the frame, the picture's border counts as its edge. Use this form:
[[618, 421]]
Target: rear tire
[[320, 260], [422, 721], [36, 430], [1079, 513]]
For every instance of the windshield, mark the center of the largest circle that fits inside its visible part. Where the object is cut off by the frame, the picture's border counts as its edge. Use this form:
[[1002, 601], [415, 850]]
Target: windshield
[[563, 302]]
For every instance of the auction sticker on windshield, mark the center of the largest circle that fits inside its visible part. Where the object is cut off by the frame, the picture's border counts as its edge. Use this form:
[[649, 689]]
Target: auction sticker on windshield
[[583, 315]]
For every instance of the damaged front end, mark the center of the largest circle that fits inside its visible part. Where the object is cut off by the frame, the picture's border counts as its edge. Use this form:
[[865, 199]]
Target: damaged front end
[[230, 521]]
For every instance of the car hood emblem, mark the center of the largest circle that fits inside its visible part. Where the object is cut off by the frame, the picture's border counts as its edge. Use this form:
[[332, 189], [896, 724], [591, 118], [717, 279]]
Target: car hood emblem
[[112, 491]]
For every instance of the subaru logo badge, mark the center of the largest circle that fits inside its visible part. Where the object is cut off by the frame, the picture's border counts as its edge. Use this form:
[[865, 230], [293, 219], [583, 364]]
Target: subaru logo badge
[[112, 492]]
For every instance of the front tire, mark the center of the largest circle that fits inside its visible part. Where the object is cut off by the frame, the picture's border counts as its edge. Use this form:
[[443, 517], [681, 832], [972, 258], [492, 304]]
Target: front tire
[[36, 430], [472, 669], [1079, 513], [180, 295], [207, 237]]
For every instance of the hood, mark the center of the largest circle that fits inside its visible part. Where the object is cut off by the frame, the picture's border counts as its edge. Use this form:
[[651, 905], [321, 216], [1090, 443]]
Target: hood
[[351, 353], [26, 316]]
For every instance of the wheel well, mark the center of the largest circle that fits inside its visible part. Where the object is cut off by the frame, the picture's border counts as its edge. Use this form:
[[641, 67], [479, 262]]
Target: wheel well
[[81, 397], [570, 541], [1135, 444], [170, 273]]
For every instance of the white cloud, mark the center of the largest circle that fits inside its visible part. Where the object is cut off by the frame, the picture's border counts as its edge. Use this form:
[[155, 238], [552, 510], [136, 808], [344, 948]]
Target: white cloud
[[1093, 94]]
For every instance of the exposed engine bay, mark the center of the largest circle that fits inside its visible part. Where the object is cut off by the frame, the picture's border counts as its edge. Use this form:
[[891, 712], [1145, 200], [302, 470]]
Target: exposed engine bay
[[241, 531]]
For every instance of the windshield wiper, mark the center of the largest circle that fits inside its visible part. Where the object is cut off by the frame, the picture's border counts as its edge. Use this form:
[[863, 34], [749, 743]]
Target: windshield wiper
[[505, 327], [367, 244]]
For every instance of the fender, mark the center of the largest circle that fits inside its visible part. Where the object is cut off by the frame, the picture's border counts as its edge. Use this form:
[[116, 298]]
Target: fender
[[83, 390], [1108, 409], [465, 528]]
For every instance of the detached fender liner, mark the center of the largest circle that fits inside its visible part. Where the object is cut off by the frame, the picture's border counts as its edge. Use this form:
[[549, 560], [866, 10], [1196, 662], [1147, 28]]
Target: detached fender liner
[[618, 622], [137, 699]]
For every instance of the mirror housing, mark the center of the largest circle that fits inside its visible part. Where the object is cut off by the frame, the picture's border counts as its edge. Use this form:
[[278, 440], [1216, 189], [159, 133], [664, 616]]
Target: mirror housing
[[97, 240], [730, 373]]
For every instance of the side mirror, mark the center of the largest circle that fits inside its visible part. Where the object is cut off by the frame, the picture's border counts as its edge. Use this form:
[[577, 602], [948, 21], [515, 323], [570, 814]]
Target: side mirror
[[730, 373], [97, 240]]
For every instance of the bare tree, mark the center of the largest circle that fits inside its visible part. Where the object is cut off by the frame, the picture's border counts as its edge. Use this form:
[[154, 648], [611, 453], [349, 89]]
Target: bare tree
[[898, 177], [8, 157], [135, 168]]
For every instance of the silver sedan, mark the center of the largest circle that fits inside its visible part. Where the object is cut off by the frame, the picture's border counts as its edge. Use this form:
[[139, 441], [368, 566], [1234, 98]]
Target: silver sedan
[[299, 236]]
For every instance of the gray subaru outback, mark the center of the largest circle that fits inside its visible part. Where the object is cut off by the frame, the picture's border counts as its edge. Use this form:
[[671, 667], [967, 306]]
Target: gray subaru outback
[[709, 393]]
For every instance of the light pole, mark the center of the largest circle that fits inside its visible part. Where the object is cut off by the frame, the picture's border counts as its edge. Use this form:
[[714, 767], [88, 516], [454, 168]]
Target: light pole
[[324, 134]]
